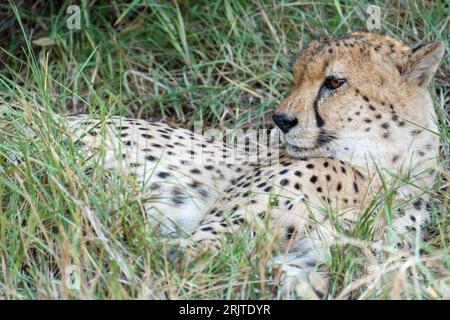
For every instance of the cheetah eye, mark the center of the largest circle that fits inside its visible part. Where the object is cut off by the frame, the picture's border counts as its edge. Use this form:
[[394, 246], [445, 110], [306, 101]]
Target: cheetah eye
[[333, 83]]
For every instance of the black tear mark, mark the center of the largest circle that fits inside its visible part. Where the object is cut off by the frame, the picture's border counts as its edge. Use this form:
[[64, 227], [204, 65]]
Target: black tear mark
[[319, 120], [324, 136]]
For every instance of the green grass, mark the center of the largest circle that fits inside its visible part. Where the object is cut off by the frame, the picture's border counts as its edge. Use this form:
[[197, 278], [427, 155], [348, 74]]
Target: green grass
[[226, 63]]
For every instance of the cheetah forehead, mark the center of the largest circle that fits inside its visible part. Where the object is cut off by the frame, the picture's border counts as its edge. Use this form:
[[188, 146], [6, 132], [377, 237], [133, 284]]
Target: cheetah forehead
[[359, 46]]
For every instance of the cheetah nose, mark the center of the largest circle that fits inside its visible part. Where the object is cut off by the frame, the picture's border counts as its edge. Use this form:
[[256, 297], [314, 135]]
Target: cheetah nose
[[284, 122]]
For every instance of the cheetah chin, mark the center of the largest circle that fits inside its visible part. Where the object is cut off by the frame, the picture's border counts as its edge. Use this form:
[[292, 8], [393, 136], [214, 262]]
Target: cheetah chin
[[297, 151], [310, 144]]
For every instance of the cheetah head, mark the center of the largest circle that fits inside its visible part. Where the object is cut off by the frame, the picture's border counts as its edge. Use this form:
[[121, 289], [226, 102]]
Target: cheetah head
[[361, 96]]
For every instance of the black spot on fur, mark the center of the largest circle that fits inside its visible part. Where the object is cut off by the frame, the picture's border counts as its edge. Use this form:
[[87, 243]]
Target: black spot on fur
[[207, 229], [163, 174], [135, 164], [246, 194], [238, 221], [290, 232], [418, 204], [262, 184], [177, 196]]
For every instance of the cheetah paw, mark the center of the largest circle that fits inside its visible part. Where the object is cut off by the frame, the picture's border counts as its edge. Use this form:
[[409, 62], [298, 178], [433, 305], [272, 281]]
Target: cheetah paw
[[180, 250], [303, 284], [300, 278]]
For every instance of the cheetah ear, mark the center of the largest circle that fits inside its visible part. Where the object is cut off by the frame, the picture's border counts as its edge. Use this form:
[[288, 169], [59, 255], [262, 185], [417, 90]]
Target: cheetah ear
[[423, 63]]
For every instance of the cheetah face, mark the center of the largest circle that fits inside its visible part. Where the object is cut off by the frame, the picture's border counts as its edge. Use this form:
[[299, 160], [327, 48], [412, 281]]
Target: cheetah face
[[354, 95]]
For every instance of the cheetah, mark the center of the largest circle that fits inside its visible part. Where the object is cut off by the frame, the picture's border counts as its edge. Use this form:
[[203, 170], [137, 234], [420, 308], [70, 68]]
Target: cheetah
[[358, 107]]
